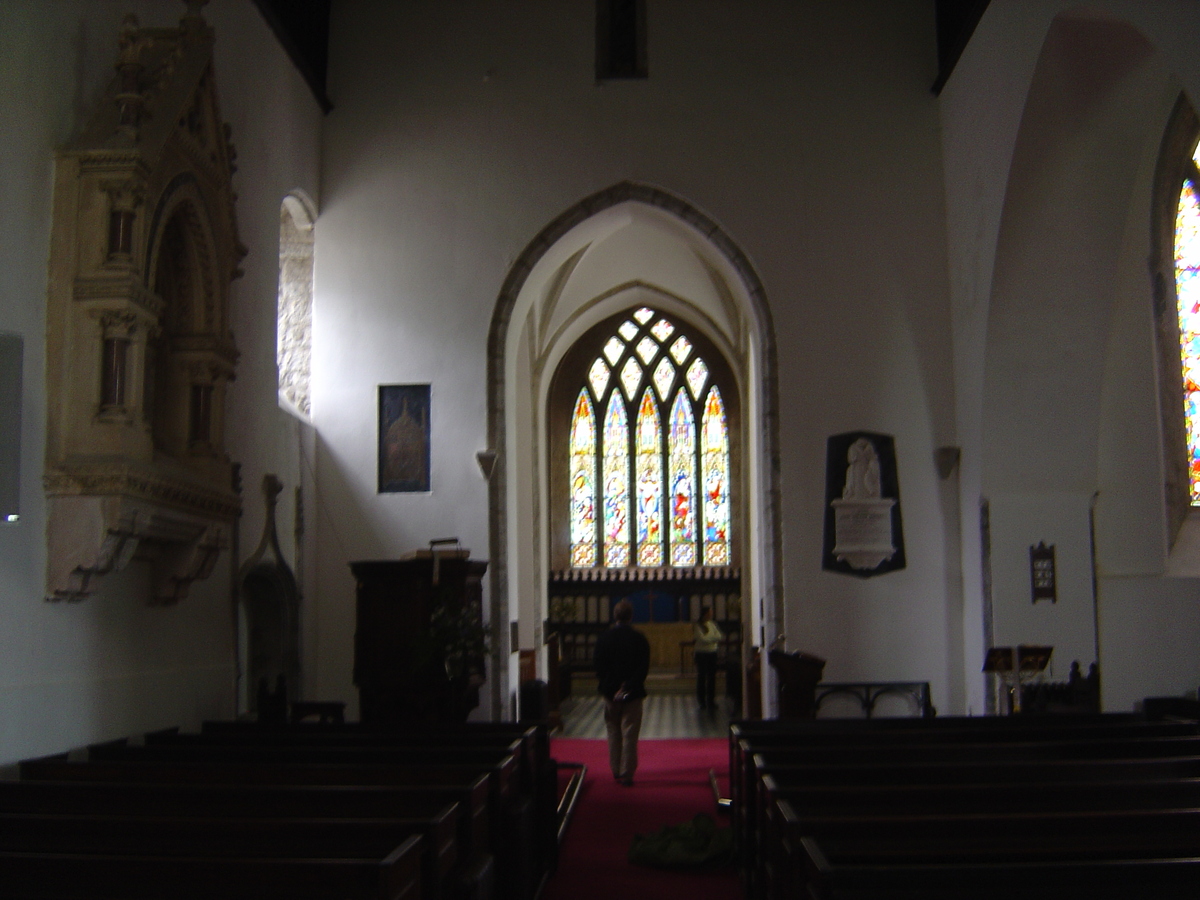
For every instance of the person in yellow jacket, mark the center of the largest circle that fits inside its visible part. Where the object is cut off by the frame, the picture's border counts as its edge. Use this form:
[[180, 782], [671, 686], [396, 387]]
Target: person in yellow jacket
[[708, 639]]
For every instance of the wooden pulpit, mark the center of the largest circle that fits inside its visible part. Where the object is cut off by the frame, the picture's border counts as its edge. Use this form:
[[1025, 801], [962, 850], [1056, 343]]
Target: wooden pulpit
[[407, 670]]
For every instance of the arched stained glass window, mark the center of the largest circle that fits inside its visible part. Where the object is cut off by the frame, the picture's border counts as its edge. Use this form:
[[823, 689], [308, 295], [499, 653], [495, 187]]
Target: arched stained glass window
[[649, 483], [661, 458], [583, 483], [682, 453], [616, 483], [714, 474], [1187, 296]]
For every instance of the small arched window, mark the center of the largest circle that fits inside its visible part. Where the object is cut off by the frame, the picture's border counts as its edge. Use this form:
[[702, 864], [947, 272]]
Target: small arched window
[[648, 457], [293, 349]]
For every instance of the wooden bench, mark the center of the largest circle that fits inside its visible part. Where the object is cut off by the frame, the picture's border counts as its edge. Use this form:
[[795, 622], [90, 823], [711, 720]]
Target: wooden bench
[[473, 873], [748, 738], [976, 837], [940, 761], [1112, 879], [326, 770], [246, 838], [517, 849], [537, 770], [509, 829], [76, 876]]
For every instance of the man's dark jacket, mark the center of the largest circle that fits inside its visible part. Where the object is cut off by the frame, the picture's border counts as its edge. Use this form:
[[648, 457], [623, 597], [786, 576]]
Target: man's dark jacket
[[622, 658]]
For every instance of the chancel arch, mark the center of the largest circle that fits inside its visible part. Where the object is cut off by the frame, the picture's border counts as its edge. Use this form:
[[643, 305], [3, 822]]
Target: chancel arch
[[628, 248]]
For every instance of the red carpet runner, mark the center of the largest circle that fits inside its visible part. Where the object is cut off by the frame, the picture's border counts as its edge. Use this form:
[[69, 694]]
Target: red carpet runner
[[671, 787]]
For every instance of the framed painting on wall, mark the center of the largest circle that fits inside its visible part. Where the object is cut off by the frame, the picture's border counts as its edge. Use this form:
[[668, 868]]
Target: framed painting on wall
[[404, 438]]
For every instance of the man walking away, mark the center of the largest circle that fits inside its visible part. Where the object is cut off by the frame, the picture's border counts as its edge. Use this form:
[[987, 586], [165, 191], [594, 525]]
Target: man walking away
[[622, 663]]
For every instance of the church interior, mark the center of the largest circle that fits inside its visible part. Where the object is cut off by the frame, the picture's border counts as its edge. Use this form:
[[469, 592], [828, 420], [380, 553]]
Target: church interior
[[287, 296]]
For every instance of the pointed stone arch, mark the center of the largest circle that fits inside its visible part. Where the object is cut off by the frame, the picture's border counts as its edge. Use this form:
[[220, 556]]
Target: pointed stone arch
[[536, 318]]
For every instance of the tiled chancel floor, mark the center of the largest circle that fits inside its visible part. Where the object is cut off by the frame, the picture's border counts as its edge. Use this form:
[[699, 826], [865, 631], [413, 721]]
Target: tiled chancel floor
[[663, 716]]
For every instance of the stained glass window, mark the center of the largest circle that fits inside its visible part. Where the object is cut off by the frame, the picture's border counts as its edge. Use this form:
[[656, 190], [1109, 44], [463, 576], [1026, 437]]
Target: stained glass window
[[583, 483], [697, 375], [664, 377], [598, 377], [616, 483], [631, 377], [714, 475], [1187, 293], [652, 488], [647, 349], [682, 458], [649, 484], [613, 349], [680, 349]]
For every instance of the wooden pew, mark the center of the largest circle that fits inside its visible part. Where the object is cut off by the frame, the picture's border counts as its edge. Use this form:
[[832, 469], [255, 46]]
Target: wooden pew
[[537, 770], [509, 828], [256, 800], [975, 837], [243, 838], [1006, 751], [753, 736], [517, 851], [1111, 879], [748, 738], [955, 774], [75, 876], [474, 872], [854, 799]]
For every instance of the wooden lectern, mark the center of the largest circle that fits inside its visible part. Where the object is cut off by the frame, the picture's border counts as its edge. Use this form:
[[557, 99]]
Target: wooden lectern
[[400, 662], [1014, 665]]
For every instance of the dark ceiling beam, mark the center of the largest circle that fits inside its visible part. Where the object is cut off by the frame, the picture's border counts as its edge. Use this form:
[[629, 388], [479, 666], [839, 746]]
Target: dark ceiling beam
[[302, 29], [956, 21]]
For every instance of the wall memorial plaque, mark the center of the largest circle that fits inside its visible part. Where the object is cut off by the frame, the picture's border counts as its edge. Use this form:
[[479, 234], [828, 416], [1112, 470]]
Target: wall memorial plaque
[[863, 533]]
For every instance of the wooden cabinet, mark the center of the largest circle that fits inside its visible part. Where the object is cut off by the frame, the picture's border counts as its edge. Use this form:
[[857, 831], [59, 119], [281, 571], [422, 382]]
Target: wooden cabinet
[[416, 653]]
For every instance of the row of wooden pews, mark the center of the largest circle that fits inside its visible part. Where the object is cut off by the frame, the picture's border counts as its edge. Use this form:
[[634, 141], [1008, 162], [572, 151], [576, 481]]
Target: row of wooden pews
[[1091, 806], [298, 811]]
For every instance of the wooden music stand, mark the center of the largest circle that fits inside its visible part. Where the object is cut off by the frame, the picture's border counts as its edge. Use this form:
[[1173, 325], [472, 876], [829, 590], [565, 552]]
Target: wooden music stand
[[1015, 665]]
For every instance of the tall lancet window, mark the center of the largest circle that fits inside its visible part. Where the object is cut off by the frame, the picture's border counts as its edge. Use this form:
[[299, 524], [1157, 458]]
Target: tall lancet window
[[649, 460], [1187, 296], [583, 483], [714, 472]]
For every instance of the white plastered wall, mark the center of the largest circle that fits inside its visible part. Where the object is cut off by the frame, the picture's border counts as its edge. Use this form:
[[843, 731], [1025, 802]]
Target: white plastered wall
[[807, 132], [1051, 128]]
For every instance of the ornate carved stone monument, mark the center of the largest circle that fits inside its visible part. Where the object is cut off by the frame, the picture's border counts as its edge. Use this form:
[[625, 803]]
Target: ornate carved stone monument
[[144, 246]]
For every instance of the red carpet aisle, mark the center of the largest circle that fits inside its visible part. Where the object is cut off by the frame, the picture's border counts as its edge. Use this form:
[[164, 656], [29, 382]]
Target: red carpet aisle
[[671, 787]]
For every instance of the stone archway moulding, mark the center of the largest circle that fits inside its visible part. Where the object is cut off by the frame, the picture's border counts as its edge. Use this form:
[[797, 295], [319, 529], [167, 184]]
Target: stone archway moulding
[[764, 393]]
